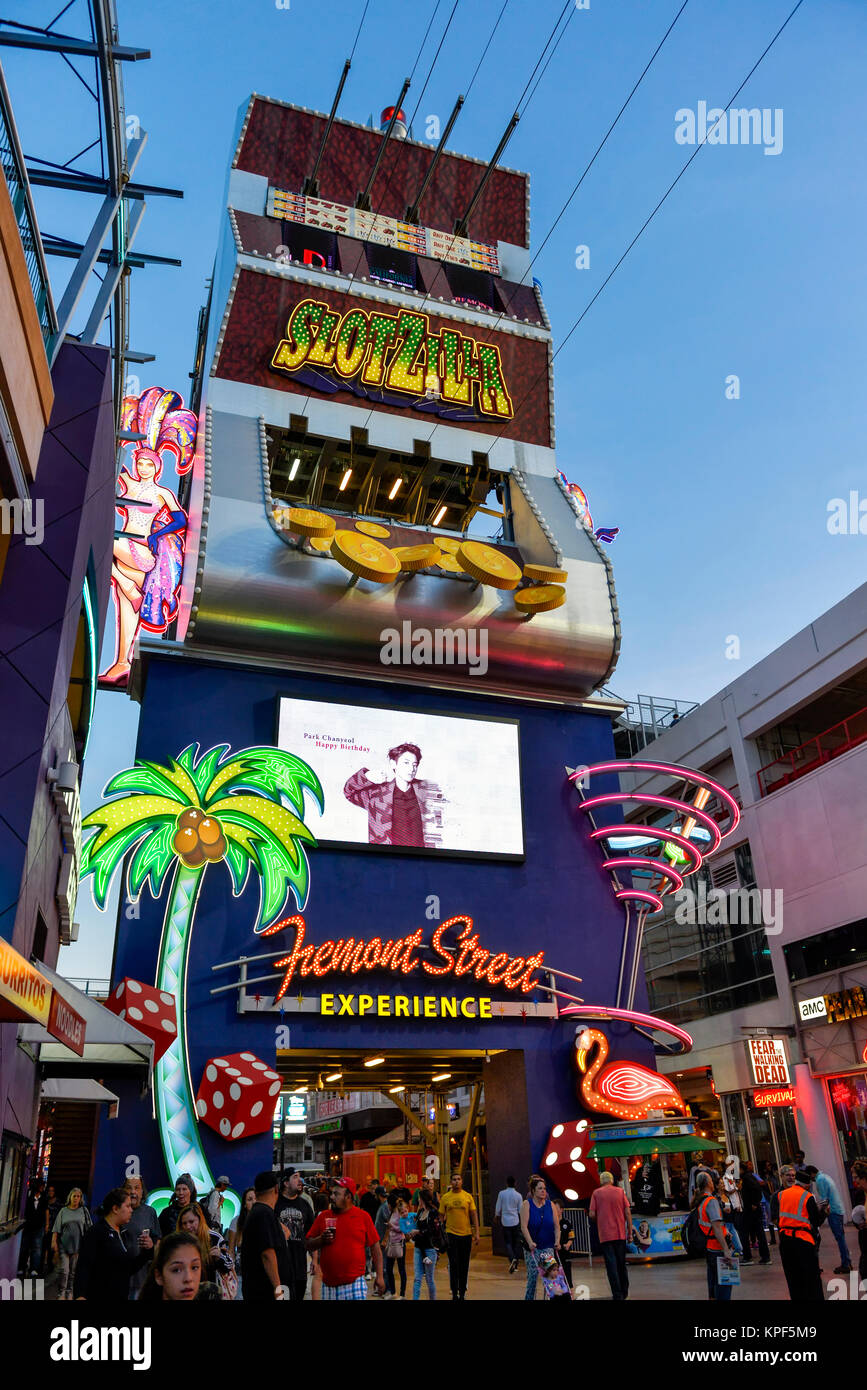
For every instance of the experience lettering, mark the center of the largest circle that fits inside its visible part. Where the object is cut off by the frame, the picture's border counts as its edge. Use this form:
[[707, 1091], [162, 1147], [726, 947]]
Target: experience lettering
[[399, 957], [396, 352]]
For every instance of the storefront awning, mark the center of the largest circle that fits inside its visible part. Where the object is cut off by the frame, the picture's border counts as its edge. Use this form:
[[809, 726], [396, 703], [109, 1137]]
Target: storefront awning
[[79, 1088], [664, 1144], [108, 1040]]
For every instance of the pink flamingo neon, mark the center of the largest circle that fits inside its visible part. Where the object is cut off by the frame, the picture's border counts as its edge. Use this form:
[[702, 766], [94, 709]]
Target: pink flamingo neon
[[624, 1089]]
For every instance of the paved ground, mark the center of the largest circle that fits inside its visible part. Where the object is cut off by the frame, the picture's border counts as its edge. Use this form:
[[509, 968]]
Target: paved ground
[[671, 1279], [677, 1279]]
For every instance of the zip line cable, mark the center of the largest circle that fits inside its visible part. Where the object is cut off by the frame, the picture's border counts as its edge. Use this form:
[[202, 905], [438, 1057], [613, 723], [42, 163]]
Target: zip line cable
[[543, 375], [589, 166], [360, 27]]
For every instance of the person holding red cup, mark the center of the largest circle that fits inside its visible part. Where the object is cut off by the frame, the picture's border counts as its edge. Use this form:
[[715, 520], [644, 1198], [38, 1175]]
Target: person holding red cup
[[342, 1235]]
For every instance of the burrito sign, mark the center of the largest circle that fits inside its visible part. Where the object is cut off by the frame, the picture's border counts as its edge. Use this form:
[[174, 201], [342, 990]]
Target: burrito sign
[[395, 352]]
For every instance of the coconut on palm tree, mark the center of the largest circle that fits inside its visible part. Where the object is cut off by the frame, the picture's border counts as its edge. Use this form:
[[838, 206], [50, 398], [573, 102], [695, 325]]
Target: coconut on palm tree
[[198, 811]]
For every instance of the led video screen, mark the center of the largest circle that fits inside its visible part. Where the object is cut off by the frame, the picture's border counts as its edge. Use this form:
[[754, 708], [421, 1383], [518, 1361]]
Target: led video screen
[[407, 781]]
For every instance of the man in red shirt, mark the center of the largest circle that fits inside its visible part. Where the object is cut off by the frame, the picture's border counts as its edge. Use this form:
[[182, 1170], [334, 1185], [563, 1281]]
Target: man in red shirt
[[610, 1210], [343, 1235]]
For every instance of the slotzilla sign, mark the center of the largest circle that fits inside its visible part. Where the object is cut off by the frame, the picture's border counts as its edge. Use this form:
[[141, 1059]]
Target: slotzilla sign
[[396, 359]]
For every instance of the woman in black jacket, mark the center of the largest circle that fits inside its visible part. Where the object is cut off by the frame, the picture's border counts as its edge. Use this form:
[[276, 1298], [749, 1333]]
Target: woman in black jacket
[[105, 1266], [185, 1195]]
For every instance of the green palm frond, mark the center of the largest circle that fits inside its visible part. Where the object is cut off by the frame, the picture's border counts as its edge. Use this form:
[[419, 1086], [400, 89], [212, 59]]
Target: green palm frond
[[102, 863], [147, 779], [271, 836], [238, 860], [116, 816], [152, 860], [268, 772], [203, 771]]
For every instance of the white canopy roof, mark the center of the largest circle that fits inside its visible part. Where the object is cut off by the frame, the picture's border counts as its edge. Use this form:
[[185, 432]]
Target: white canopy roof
[[108, 1040]]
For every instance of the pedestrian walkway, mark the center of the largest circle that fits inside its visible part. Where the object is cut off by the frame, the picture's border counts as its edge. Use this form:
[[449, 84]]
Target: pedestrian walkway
[[670, 1279]]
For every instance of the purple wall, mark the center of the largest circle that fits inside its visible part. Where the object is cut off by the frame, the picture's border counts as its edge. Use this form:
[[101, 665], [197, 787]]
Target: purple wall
[[40, 604]]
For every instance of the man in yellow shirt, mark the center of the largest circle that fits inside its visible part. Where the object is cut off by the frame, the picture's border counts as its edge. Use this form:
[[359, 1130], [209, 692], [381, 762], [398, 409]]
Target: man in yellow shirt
[[458, 1210]]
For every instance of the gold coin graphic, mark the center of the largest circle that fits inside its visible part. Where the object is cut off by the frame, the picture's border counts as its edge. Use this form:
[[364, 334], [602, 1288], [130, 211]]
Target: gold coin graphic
[[365, 557], [305, 522], [545, 574], [488, 565], [541, 598]]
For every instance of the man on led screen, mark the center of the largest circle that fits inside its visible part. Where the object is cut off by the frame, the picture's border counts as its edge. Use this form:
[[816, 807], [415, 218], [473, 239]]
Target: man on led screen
[[394, 801]]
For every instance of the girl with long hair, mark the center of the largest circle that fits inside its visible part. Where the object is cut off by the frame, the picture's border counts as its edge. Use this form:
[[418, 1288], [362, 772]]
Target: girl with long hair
[[175, 1275]]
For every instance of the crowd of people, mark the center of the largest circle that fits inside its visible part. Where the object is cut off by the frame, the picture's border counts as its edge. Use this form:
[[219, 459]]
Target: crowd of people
[[330, 1242], [732, 1214]]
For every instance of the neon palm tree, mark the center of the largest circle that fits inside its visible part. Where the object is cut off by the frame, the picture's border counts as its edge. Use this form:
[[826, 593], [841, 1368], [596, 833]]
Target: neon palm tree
[[196, 812]]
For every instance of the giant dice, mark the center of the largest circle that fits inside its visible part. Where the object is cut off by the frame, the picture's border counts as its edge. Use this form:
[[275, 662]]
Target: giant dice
[[152, 1011], [565, 1163], [237, 1095]]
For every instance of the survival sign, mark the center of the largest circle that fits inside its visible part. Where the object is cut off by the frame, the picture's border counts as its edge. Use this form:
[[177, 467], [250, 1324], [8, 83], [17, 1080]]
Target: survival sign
[[395, 352], [400, 957]]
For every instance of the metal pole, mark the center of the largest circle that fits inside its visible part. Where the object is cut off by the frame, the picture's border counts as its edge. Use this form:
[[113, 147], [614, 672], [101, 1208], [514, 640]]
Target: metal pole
[[363, 199], [461, 226], [412, 212], [311, 188]]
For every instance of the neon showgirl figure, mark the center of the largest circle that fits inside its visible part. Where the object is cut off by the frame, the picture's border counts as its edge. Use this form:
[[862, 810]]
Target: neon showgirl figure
[[148, 557]]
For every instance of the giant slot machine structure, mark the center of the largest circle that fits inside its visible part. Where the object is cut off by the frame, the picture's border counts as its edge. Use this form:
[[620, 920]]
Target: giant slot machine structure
[[354, 859]]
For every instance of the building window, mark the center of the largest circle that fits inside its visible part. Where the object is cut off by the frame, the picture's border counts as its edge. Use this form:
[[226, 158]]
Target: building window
[[389, 266], [838, 949], [849, 1103], [40, 939], [13, 1161], [708, 953], [311, 246]]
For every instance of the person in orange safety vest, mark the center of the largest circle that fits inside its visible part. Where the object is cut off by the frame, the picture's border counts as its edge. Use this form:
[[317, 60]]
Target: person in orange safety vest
[[795, 1214]]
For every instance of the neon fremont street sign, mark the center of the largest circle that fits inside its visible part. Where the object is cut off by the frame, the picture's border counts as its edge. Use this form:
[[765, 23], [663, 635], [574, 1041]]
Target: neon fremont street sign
[[351, 956]]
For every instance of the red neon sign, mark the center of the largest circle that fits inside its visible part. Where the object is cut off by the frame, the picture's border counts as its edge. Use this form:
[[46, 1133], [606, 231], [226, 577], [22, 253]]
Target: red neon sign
[[350, 956], [780, 1095]]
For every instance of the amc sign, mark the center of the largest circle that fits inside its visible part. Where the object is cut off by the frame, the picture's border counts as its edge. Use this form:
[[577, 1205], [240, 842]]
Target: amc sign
[[769, 1061]]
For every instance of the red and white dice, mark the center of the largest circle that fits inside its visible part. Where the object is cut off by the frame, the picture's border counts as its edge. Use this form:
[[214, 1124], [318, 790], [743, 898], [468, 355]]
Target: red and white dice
[[151, 1011], [565, 1163], [237, 1095]]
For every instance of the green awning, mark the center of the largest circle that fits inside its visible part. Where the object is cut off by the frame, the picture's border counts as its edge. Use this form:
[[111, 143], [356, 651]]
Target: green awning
[[662, 1144]]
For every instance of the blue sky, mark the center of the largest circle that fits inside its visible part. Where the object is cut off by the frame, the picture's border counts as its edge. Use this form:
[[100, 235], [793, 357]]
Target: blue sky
[[753, 267]]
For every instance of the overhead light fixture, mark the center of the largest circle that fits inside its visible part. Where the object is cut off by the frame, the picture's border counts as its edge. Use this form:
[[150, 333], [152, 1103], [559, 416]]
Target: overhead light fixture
[[335, 1076], [300, 1091], [374, 1061], [395, 489], [345, 479], [296, 464], [443, 1076], [439, 516], [393, 1090]]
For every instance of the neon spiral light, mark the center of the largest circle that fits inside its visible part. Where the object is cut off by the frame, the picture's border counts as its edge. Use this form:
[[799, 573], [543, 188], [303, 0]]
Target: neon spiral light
[[689, 814], [638, 1020], [630, 861]]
